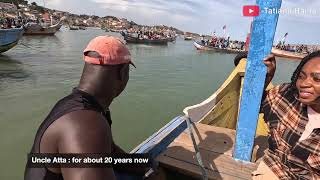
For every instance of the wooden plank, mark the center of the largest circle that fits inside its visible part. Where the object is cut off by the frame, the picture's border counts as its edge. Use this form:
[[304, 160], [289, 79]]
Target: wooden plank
[[215, 145], [219, 166], [226, 105], [262, 35], [211, 138], [188, 169]]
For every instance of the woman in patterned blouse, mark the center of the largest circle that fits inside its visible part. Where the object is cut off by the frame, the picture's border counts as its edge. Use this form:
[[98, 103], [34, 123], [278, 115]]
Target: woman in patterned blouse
[[292, 111]]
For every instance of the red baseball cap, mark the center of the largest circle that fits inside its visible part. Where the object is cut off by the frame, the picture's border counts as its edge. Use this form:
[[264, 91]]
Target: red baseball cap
[[111, 51]]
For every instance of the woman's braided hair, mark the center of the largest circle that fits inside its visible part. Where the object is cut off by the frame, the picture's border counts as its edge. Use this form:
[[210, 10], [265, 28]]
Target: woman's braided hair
[[296, 73]]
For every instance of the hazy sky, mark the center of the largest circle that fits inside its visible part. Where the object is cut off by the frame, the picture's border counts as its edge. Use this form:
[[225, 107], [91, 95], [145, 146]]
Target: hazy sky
[[202, 16]]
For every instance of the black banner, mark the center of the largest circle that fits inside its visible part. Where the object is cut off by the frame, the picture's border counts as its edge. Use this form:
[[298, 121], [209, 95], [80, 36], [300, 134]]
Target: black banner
[[36, 160]]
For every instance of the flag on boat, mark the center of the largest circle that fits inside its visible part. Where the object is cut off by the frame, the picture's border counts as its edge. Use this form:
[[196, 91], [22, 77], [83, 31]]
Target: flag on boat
[[224, 27], [286, 35]]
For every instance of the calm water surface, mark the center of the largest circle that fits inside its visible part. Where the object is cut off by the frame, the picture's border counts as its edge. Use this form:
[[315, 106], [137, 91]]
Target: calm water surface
[[41, 70]]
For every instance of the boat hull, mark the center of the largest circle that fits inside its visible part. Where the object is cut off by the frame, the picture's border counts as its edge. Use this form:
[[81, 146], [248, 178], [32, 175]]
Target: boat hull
[[73, 28], [187, 38], [36, 29], [135, 40], [287, 54], [200, 47], [172, 147], [9, 38]]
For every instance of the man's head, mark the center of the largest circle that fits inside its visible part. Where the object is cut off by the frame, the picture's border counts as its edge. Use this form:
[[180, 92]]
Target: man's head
[[306, 79], [106, 69]]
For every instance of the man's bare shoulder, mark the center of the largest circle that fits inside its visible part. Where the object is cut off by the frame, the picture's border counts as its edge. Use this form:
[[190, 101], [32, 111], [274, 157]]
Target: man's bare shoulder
[[84, 131]]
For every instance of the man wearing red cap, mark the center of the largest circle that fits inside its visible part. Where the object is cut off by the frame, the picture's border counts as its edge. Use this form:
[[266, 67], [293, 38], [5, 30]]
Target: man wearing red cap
[[81, 122]]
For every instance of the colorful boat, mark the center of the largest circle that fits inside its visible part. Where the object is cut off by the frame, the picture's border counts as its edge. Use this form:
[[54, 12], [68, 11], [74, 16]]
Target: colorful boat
[[201, 47], [136, 40], [288, 54], [203, 143], [214, 123], [9, 38], [37, 29]]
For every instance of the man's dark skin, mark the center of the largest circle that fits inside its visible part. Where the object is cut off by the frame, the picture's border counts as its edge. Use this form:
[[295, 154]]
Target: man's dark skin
[[87, 131]]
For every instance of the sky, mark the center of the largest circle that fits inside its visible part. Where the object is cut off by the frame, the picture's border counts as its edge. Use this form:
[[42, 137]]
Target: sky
[[202, 16]]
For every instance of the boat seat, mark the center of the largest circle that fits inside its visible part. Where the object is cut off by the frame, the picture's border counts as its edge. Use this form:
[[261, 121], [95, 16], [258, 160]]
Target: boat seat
[[216, 147]]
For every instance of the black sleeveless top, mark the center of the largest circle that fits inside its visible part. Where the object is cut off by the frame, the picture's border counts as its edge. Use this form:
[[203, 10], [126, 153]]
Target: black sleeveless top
[[77, 100]]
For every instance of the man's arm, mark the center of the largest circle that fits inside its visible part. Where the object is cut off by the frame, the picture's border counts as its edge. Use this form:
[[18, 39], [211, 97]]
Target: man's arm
[[85, 132], [270, 62]]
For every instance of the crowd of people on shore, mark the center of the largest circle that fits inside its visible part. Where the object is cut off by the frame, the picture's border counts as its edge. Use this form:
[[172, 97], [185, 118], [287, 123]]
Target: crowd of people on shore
[[7, 22], [293, 48], [301, 48]]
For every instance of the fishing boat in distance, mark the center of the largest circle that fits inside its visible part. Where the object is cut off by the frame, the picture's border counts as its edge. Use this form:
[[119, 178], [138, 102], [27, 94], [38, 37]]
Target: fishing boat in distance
[[9, 38], [201, 47], [73, 28], [37, 29], [82, 28], [140, 40], [188, 38], [288, 54], [77, 28], [213, 123]]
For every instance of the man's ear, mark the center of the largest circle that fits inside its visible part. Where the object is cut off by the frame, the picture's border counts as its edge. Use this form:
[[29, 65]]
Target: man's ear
[[124, 70]]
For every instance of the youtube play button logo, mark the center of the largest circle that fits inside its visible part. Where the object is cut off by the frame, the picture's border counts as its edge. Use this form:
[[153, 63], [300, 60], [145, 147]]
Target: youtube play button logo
[[251, 10]]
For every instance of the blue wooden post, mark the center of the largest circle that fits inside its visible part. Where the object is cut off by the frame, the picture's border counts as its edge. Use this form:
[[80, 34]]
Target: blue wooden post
[[262, 34]]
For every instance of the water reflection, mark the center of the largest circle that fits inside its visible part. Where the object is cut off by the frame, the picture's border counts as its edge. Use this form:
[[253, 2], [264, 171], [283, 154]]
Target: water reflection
[[12, 69]]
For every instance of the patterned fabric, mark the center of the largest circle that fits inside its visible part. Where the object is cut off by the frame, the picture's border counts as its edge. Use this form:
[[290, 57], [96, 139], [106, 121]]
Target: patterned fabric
[[288, 157]]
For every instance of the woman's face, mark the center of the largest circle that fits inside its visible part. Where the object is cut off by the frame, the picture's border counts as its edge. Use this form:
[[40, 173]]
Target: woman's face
[[308, 83]]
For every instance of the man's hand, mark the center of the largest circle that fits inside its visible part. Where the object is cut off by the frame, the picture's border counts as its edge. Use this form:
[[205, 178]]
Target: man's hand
[[134, 170], [270, 62]]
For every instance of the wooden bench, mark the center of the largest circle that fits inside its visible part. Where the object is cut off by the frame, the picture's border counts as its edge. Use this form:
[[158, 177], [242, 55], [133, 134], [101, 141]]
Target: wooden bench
[[216, 147]]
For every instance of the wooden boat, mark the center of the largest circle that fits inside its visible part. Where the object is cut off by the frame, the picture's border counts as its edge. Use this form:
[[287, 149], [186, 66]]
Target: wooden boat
[[115, 30], [188, 38], [73, 28], [9, 38], [82, 28], [288, 54], [37, 29], [214, 125], [201, 47], [136, 40]]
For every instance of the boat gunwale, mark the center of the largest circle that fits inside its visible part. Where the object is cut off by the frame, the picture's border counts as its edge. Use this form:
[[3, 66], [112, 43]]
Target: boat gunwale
[[215, 49]]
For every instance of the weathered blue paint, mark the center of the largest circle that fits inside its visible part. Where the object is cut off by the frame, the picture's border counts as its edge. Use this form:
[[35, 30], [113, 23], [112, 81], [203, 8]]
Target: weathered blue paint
[[160, 140], [262, 34], [9, 38]]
